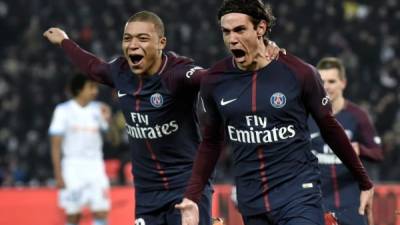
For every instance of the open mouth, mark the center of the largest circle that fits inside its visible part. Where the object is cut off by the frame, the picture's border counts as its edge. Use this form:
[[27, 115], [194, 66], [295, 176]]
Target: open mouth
[[135, 58], [238, 53]]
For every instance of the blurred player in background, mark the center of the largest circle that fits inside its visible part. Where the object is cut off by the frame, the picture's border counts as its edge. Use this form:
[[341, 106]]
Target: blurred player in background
[[76, 150], [339, 188], [262, 107], [157, 93]]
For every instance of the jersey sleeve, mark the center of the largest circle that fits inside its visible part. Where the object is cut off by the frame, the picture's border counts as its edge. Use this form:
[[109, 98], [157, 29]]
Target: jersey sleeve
[[184, 78], [89, 64], [368, 140], [317, 103], [58, 123], [210, 147]]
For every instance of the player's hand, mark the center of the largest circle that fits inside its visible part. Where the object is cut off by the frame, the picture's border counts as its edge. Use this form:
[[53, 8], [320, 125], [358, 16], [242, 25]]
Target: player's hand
[[189, 212], [356, 147], [55, 35], [366, 201], [273, 50], [60, 182], [106, 112]]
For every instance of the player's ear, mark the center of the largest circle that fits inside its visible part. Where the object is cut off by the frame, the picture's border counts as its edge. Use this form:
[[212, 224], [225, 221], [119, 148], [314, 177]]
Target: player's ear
[[344, 84], [162, 43], [261, 28]]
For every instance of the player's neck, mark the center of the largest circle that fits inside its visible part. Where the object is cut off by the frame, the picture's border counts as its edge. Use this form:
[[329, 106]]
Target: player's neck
[[155, 68], [338, 105], [260, 59], [81, 101]]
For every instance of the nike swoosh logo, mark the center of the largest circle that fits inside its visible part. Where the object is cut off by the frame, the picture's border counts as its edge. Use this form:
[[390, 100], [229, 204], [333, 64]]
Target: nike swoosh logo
[[227, 102], [314, 135], [120, 95]]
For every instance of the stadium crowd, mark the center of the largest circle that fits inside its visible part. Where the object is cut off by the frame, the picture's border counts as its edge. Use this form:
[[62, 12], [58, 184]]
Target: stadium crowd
[[33, 75]]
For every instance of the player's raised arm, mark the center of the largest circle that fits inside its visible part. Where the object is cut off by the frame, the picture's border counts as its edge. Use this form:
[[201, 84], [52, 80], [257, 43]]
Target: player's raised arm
[[89, 64]]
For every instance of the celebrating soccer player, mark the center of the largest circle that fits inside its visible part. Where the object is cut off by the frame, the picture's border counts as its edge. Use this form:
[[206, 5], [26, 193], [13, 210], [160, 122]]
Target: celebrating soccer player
[[262, 106]]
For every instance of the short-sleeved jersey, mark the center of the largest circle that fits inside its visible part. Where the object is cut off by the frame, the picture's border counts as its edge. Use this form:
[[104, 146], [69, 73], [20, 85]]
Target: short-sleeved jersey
[[263, 115], [80, 127], [160, 115], [339, 188]]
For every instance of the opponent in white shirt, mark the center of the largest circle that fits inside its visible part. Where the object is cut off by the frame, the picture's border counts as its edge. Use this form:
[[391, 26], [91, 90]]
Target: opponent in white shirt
[[76, 149]]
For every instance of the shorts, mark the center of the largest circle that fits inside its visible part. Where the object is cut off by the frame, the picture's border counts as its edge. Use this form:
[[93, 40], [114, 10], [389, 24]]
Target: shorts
[[303, 212], [86, 185], [167, 214], [349, 216]]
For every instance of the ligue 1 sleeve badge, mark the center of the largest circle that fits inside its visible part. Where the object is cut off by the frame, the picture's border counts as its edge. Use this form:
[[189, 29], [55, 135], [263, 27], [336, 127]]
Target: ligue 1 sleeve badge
[[278, 100], [156, 100]]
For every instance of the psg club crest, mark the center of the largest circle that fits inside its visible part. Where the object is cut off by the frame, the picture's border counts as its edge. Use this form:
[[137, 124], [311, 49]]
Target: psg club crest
[[156, 100], [278, 100]]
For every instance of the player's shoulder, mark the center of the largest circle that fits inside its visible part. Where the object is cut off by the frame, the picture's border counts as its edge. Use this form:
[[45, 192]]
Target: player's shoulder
[[356, 110], [225, 65], [298, 66], [174, 59], [64, 107]]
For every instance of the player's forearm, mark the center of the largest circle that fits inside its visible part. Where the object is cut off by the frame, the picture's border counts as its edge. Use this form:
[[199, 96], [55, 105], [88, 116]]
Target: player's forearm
[[374, 153], [89, 64], [204, 164], [336, 138], [56, 159]]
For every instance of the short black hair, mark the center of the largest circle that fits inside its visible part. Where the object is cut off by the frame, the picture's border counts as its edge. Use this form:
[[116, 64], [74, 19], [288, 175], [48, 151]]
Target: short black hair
[[332, 63], [147, 16], [77, 83], [256, 9]]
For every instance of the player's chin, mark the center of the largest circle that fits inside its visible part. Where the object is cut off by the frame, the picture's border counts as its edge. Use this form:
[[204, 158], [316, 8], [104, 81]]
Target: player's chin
[[138, 70]]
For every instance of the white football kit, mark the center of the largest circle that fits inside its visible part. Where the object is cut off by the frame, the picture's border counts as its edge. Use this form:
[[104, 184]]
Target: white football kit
[[82, 165]]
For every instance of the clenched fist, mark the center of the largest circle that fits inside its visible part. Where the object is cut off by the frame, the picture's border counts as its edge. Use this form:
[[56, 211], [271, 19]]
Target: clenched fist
[[55, 35]]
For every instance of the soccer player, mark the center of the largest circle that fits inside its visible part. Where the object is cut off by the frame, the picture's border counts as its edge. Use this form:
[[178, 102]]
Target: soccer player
[[262, 106], [339, 188], [76, 150], [157, 92]]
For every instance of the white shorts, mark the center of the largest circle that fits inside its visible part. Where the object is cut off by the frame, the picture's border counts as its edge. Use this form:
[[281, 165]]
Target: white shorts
[[86, 185]]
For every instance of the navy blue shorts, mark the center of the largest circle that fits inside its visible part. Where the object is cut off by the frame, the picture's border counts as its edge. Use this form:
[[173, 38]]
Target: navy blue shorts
[[349, 216], [166, 214], [308, 212]]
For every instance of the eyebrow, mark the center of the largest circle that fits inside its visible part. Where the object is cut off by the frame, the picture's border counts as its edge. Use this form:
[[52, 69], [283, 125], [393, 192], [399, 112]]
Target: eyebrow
[[235, 29], [137, 35]]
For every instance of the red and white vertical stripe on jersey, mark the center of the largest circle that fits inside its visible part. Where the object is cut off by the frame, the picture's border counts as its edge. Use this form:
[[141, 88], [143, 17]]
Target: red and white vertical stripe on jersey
[[335, 186], [254, 92], [260, 150], [263, 174], [148, 145], [136, 94], [160, 170]]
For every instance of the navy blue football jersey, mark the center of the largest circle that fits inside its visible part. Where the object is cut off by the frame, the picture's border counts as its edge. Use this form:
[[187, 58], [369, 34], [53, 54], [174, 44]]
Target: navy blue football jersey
[[160, 116], [263, 115], [339, 188]]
